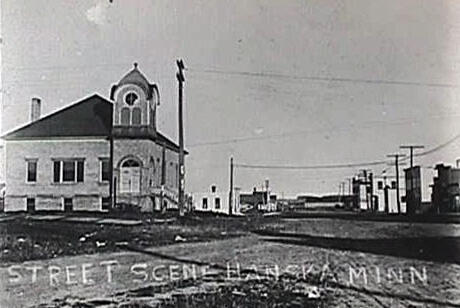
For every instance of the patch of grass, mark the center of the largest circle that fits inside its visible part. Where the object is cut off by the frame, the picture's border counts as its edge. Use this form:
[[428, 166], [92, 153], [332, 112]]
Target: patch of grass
[[22, 239]]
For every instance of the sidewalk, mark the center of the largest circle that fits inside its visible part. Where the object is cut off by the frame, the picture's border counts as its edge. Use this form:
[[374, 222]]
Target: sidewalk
[[71, 218]]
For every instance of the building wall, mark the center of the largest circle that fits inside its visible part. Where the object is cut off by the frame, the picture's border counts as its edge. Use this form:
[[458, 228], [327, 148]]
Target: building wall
[[150, 155], [49, 195], [211, 197], [2, 162], [446, 189], [392, 203], [142, 103]]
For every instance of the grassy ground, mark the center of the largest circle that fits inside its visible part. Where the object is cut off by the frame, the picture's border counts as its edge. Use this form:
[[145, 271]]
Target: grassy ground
[[316, 242], [24, 239]]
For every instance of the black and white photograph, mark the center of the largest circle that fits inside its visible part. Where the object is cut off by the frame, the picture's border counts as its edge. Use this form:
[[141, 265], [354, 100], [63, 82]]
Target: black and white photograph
[[247, 153]]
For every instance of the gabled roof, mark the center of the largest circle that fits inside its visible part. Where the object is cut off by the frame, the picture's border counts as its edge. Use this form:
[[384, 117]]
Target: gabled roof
[[90, 117]]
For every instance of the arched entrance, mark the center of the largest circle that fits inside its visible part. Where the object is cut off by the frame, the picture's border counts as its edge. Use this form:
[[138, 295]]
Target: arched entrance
[[130, 176]]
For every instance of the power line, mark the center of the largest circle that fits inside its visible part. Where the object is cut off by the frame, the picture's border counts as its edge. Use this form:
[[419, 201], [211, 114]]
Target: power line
[[438, 147], [344, 165], [332, 166], [432, 150], [326, 79], [302, 132]]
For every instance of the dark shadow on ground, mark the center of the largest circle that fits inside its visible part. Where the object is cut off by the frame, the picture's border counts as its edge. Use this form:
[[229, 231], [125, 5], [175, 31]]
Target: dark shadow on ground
[[375, 294], [439, 249]]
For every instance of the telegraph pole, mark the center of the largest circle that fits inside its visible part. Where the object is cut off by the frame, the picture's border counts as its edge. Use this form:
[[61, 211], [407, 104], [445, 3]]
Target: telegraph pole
[[181, 80], [230, 196], [368, 186], [163, 178], [411, 153], [396, 157]]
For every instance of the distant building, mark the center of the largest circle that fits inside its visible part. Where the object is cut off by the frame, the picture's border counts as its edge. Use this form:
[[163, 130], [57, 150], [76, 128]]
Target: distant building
[[327, 201], [258, 201], [363, 192], [387, 196], [413, 195], [290, 205], [2, 162], [445, 195], [214, 201]]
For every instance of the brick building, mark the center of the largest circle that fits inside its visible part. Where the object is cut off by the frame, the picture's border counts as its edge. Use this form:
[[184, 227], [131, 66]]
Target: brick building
[[94, 155]]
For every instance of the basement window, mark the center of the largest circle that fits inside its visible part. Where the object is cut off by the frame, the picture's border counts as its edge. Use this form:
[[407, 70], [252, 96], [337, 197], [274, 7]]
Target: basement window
[[105, 203], [30, 204]]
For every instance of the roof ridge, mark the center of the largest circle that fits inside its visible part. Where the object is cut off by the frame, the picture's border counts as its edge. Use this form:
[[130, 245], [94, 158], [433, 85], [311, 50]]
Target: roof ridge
[[65, 108]]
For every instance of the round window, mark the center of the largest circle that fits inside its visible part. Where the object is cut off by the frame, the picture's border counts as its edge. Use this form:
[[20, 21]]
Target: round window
[[131, 98]]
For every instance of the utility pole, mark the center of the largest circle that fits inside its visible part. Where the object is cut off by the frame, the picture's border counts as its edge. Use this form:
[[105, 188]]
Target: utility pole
[[367, 185], [371, 188], [411, 200], [230, 194], [385, 193], [341, 191], [396, 157], [411, 151], [181, 80], [163, 178]]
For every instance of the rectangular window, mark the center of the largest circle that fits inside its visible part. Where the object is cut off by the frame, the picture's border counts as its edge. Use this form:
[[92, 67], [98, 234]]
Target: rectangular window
[[217, 200], [30, 203], [80, 170], [105, 203], [68, 204], [105, 170], [68, 171], [379, 185], [393, 184], [205, 203], [32, 171]]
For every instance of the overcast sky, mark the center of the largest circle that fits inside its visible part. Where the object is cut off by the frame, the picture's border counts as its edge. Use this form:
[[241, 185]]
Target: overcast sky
[[256, 84]]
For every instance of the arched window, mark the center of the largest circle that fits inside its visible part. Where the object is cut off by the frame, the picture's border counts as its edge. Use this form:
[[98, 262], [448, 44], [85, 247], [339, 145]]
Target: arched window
[[152, 164], [131, 98], [125, 116], [130, 163], [136, 116], [152, 117], [152, 170]]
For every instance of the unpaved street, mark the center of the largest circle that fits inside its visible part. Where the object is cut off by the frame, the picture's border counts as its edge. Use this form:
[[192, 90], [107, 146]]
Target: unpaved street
[[350, 278]]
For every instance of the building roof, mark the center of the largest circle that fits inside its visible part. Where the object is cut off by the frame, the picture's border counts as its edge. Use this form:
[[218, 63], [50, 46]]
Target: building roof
[[135, 77], [90, 117]]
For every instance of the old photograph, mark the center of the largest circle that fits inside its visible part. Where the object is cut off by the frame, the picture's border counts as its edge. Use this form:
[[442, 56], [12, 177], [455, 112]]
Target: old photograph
[[248, 153]]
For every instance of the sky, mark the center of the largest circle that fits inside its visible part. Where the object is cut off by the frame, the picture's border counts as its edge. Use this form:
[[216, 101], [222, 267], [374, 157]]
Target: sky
[[297, 83]]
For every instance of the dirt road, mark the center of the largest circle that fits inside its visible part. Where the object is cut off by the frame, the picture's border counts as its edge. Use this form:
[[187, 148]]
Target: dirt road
[[351, 278]]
